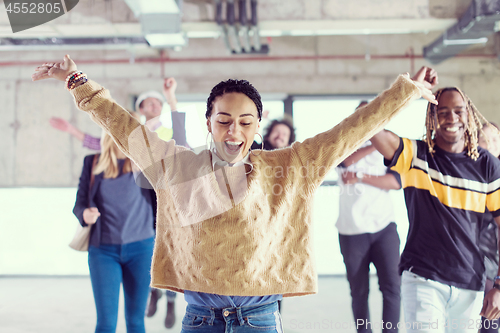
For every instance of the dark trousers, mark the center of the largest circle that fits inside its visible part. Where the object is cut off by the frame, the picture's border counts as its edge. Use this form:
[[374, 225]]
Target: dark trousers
[[381, 249]]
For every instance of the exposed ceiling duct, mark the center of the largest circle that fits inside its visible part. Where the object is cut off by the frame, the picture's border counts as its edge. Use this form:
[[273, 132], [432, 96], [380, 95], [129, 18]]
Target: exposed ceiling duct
[[474, 27], [111, 24], [237, 35], [160, 22]]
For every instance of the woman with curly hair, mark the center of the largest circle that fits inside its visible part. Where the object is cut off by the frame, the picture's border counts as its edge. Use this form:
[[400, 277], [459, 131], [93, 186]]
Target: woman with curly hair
[[234, 230]]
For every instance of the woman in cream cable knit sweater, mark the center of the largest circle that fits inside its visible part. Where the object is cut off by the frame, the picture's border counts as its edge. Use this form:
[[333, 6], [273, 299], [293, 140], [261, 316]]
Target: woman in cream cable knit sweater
[[233, 226]]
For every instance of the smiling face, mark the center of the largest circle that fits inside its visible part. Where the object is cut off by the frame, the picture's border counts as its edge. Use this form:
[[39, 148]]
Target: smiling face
[[279, 136], [233, 123], [151, 107], [452, 118]]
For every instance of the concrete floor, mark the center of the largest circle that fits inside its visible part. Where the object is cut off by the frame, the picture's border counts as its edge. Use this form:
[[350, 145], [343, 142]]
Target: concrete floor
[[65, 304]]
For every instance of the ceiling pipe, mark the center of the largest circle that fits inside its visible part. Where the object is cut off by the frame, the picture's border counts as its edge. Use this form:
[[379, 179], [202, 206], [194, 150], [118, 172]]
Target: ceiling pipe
[[231, 27], [249, 58], [255, 28], [236, 33], [243, 17], [220, 23]]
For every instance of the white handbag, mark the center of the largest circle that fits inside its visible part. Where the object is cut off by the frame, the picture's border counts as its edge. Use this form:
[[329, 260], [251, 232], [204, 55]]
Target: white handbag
[[81, 239]]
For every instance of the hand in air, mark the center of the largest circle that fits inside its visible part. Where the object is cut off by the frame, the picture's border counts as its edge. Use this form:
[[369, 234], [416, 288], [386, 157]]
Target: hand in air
[[426, 79], [169, 87], [55, 70], [60, 124]]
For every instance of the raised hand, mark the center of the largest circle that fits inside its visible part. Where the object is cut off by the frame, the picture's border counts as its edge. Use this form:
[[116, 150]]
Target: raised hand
[[426, 79], [60, 124], [90, 215], [169, 87], [55, 70]]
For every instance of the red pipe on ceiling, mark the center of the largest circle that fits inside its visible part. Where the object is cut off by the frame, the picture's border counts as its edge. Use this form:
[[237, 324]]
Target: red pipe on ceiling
[[164, 60]]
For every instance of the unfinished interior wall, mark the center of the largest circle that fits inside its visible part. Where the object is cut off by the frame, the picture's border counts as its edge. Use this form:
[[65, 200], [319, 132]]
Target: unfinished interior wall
[[34, 154]]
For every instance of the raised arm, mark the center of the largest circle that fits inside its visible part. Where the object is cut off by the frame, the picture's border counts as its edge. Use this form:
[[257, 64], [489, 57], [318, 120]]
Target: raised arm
[[178, 118], [328, 149], [169, 88], [386, 143], [87, 140], [65, 126], [139, 144], [91, 142]]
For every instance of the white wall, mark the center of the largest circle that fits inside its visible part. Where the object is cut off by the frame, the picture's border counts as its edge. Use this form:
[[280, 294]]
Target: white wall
[[37, 225]]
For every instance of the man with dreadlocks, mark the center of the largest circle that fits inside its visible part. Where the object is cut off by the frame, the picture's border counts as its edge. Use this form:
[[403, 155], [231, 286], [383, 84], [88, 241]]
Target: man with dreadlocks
[[448, 182]]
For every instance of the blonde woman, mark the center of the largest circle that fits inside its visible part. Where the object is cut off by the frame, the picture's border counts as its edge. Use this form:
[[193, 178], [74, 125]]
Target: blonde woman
[[122, 239]]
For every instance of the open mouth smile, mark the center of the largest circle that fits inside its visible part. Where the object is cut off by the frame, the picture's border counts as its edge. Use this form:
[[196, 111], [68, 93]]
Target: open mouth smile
[[233, 147]]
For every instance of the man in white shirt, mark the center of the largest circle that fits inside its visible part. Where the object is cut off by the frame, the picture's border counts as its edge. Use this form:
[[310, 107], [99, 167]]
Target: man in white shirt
[[367, 233]]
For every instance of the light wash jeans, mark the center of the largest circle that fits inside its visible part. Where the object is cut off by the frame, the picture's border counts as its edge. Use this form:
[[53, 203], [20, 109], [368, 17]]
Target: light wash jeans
[[112, 266], [258, 318], [431, 306]]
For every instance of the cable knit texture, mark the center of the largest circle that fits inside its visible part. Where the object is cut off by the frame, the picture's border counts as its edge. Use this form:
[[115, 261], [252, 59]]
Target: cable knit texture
[[227, 232]]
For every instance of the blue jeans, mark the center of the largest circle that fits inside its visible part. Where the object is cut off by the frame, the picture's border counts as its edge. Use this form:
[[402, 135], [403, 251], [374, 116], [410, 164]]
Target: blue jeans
[[260, 318], [110, 265]]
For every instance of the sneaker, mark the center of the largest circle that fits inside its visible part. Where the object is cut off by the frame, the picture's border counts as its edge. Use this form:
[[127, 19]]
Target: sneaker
[[153, 299]]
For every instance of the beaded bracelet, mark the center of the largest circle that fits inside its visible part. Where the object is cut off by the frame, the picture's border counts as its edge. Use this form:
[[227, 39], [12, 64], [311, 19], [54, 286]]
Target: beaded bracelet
[[82, 79], [76, 84], [70, 75], [75, 79]]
